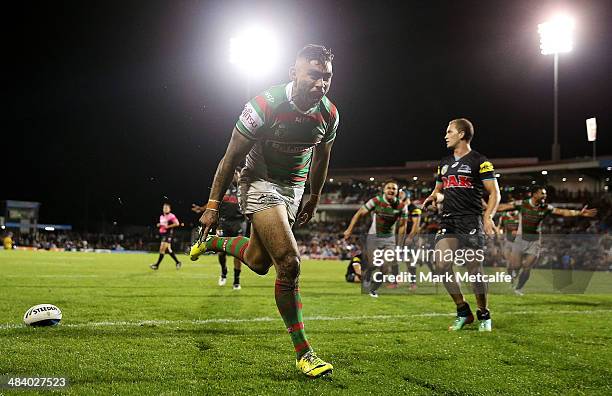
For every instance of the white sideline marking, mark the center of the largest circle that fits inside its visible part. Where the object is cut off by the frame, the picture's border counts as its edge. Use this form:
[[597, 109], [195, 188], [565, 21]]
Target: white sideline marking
[[7, 326], [50, 276]]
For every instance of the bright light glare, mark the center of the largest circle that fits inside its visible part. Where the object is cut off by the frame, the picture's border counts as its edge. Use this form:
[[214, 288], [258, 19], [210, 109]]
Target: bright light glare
[[255, 50], [556, 35], [545, 172], [49, 228]]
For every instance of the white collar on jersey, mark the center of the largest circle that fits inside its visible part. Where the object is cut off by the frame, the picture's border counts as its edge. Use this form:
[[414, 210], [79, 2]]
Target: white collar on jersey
[[289, 91]]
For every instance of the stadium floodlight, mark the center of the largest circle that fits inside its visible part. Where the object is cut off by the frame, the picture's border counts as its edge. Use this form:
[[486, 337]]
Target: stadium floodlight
[[331, 179], [556, 36], [49, 228], [580, 179], [564, 179], [254, 51], [371, 179], [545, 172], [498, 175]]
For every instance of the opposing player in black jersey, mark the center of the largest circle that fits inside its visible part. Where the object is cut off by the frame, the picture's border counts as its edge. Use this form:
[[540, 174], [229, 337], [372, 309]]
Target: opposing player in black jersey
[[232, 223], [461, 178], [353, 270]]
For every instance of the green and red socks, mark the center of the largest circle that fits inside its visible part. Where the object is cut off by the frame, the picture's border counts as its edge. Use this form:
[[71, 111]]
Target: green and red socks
[[289, 303], [234, 246]]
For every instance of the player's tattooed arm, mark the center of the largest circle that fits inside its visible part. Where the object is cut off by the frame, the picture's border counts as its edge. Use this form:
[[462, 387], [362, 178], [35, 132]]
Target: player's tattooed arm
[[236, 151], [318, 174], [494, 196]]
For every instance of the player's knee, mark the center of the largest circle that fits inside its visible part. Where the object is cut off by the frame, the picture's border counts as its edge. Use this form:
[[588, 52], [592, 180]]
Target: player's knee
[[288, 268]]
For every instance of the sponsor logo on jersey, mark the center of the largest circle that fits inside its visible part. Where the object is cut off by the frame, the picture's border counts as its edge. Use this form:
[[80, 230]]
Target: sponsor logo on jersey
[[269, 96], [459, 181], [444, 169], [250, 119], [486, 167], [464, 169], [455, 164], [289, 148]]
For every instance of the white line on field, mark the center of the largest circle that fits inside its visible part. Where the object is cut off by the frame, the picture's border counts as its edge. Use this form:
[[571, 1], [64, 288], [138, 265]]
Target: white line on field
[[50, 276], [7, 326]]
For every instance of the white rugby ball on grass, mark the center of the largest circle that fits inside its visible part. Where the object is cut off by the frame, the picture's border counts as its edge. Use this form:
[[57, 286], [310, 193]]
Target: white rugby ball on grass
[[42, 315]]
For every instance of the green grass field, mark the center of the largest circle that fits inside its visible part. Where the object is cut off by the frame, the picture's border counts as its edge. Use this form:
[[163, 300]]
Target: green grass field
[[129, 330]]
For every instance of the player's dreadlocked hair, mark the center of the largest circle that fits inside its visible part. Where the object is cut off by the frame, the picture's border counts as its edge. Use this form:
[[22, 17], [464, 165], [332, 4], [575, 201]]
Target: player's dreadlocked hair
[[316, 52]]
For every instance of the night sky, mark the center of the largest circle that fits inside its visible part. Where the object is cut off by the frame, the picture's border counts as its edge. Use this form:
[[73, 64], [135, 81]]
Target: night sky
[[114, 107]]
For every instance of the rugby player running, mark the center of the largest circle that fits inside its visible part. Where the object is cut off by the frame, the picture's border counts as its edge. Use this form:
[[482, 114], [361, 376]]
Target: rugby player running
[[286, 134], [387, 211], [461, 179], [532, 212]]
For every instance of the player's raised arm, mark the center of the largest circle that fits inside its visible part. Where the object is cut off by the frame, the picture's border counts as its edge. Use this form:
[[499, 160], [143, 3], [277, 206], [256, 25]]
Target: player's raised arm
[[506, 206], [237, 150], [585, 212], [318, 174]]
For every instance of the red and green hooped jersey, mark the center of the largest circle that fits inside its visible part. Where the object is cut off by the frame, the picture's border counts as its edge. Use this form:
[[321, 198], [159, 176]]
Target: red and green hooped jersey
[[510, 223], [386, 215], [284, 135], [530, 218]]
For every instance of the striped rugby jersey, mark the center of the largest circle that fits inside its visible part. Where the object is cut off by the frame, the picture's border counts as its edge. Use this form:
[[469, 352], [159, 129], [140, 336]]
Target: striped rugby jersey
[[284, 135], [510, 223], [386, 214], [531, 217]]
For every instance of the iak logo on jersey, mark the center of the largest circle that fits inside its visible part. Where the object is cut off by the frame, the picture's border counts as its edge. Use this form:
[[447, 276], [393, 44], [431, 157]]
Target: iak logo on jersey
[[459, 181]]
